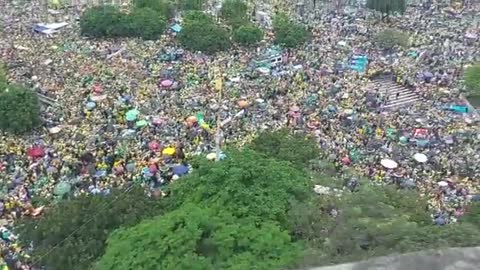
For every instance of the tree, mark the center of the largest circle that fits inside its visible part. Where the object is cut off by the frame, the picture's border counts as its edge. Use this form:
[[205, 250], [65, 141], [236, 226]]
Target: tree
[[146, 23], [196, 16], [191, 4], [282, 145], [203, 35], [19, 108], [472, 79], [387, 39], [164, 7], [234, 12], [80, 227], [247, 184], [387, 7], [199, 238], [287, 33], [248, 35], [106, 21]]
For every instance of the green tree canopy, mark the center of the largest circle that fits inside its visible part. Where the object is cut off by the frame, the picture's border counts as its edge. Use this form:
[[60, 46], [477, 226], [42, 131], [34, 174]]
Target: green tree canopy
[[283, 145], [164, 7], [248, 35], [199, 238], [108, 22], [387, 7], [191, 4], [19, 108], [234, 12], [387, 39], [472, 79], [90, 219], [146, 23], [200, 33], [246, 184], [288, 34]]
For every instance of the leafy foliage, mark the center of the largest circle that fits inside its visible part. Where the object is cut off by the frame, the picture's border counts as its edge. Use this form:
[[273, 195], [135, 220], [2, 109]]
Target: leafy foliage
[[19, 108], [387, 6], [287, 33], [145, 23], [106, 21], [390, 38], [472, 79], [163, 7], [282, 145], [234, 12], [87, 243], [191, 4], [248, 35], [109, 22], [200, 33], [199, 238], [247, 184]]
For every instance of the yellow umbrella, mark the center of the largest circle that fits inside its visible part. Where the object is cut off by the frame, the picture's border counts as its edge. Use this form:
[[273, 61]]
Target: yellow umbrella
[[170, 151], [211, 156]]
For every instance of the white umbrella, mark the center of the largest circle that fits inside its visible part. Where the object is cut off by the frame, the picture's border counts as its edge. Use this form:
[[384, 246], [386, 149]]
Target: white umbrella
[[442, 183], [96, 98], [388, 163], [422, 158], [348, 111], [55, 130]]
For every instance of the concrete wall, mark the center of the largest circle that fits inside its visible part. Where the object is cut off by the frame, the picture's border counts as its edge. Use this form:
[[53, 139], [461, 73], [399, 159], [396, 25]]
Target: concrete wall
[[449, 259]]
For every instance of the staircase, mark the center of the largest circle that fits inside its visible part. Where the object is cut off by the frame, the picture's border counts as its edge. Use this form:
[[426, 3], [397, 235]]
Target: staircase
[[390, 89]]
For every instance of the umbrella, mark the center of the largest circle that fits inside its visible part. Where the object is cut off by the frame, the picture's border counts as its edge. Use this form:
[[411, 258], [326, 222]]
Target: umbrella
[[348, 111], [36, 152], [132, 115], [166, 83], [422, 158], [97, 89], [180, 170], [96, 98], [141, 123], [54, 130], [211, 156], [62, 188], [427, 75], [442, 183], [158, 121], [90, 105], [388, 163], [153, 145], [170, 151]]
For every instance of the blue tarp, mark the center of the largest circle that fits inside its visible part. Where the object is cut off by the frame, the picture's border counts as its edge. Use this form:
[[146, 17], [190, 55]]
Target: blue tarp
[[457, 108], [176, 28]]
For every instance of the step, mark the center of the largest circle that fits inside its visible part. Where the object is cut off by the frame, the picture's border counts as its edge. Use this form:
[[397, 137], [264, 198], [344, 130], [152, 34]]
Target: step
[[401, 103]]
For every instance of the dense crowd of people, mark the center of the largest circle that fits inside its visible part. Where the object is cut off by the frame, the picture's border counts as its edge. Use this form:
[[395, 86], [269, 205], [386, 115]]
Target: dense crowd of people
[[135, 117]]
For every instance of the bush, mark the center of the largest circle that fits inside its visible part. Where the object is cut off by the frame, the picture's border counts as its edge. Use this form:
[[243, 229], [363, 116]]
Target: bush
[[287, 33], [195, 16], [203, 35], [164, 7], [191, 4], [248, 35], [472, 79], [387, 39], [19, 109], [109, 22]]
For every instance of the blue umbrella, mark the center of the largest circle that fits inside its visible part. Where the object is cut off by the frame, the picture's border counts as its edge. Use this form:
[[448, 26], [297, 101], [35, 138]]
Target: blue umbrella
[[90, 105], [180, 170]]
